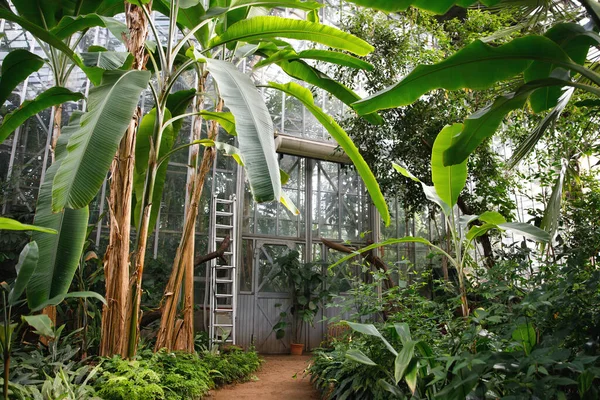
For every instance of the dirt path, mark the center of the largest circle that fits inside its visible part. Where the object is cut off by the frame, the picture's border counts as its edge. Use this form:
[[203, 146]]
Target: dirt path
[[275, 382]]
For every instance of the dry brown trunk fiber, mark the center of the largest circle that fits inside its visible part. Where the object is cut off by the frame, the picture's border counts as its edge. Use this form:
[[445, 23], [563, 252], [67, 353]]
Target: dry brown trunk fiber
[[114, 337], [174, 333]]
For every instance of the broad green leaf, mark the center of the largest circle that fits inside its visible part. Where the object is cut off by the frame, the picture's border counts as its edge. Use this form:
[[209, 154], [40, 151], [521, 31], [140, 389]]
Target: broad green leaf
[[403, 359], [526, 336], [394, 390], [576, 41], [527, 230], [297, 4], [95, 63], [51, 97], [411, 375], [56, 300], [436, 6], [448, 181], [302, 71], [4, 341], [58, 254], [225, 119], [359, 356], [403, 331], [43, 13], [476, 66], [69, 25], [369, 329], [143, 147], [257, 28], [28, 261], [492, 217], [41, 323], [16, 66], [92, 146], [480, 230], [342, 138], [9, 224], [254, 128], [177, 104]]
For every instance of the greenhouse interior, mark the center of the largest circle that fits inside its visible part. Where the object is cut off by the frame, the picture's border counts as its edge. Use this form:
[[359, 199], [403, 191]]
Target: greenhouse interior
[[303, 199]]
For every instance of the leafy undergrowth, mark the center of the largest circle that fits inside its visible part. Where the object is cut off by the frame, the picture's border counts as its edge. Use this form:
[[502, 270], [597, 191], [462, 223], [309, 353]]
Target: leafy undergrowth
[[152, 376], [534, 338], [173, 376]]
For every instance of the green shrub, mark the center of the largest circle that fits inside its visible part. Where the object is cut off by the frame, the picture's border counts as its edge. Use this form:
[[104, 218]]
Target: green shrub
[[232, 366], [133, 380]]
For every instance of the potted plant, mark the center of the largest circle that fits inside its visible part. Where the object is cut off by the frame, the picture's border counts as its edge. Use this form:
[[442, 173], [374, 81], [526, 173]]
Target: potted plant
[[306, 284]]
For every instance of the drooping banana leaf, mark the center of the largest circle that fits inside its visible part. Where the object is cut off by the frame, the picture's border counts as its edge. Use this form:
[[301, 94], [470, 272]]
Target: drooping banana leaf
[[96, 62], [9, 224], [342, 138], [28, 261], [16, 66], [254, 129], [58, 254], [51, 97], [92, 146], [257, 28], [476, 66], [576, 41], [69, 25]]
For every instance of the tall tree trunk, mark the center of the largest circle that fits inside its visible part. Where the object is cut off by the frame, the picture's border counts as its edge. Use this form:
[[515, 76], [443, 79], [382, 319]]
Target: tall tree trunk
[[116, 260], [175, 334]]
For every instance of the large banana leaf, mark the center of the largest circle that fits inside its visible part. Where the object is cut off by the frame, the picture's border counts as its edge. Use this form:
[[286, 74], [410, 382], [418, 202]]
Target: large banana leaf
[[16, 66], [342, 138], [9, 224], [436, 6], [28, 261], [333, 57], [429, 191], [258, 28], [92, 147], [143, 147], [51, 97], [576, 41], [254, 129], [58, 254], [552, 212], [484, 122], [448, 181], [302, 71], [476, 66], [69, 25]]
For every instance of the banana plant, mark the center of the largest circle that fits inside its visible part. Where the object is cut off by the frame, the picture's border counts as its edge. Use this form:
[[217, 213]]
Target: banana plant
[[448, 182], [210, 40]]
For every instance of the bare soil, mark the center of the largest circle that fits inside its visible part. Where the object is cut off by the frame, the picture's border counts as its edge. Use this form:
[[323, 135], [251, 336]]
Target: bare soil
[[280, 377]]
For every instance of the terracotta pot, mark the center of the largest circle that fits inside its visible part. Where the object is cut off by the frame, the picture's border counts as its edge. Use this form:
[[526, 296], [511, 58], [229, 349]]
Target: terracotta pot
[[296, 349]]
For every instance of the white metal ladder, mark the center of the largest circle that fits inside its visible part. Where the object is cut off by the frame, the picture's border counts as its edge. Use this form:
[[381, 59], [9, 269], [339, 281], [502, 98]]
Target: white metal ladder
[[223, 276]]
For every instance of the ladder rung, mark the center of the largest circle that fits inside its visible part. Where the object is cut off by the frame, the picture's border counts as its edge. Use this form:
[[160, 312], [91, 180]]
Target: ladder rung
[[223, 295], [224, 201], [224, 325], [223, 341], [217, 310], [224, 267], [223, 280], [228, 253], [224, 214], [221, 226]]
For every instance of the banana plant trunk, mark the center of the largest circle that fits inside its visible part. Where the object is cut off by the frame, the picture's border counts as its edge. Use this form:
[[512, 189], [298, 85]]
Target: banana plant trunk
[[114, 336], [174, 333]]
